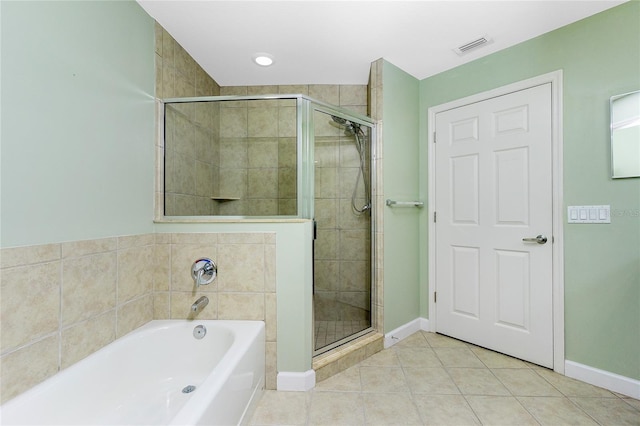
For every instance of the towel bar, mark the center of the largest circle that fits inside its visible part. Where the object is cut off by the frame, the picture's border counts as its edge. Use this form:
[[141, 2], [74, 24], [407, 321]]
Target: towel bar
[[393, 203]]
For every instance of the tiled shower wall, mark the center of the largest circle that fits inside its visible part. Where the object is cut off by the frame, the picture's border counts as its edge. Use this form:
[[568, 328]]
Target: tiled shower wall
[[192, 142], [342, 263], [192, 153], [62, 302], [257, 156]]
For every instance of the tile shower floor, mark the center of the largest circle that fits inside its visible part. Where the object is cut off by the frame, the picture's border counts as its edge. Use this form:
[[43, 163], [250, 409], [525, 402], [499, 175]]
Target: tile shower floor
[[328, 332], [430, 379]]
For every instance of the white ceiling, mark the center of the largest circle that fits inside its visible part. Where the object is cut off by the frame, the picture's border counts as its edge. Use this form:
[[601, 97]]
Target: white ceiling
[[334, 42]]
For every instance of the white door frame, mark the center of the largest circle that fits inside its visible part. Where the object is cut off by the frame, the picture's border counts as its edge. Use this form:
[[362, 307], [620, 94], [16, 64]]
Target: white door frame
[[555, 78]]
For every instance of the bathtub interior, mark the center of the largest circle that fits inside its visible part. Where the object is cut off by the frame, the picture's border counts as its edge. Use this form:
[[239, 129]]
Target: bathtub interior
[[139, 378]]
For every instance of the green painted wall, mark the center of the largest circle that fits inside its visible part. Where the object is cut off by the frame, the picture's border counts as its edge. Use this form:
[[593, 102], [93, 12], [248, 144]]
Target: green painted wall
[[600, 57], [77, 121], [401, 170]]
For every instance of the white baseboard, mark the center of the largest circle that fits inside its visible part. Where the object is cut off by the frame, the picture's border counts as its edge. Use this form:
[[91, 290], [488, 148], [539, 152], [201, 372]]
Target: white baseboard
[[404, 331], [604, 379], [300, 382]]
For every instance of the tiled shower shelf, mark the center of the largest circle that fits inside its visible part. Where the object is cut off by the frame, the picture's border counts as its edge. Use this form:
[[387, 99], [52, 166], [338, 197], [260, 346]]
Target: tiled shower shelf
[[225, 198]]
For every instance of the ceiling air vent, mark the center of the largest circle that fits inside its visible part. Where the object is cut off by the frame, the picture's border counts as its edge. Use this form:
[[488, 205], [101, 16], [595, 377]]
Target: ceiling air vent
[[472, 45]]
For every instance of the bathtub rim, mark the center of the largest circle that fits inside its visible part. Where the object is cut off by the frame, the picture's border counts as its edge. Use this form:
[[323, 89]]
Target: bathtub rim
[[253, 330]]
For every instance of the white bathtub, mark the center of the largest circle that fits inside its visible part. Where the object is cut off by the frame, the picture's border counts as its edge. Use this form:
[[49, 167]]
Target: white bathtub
[[139, 378]]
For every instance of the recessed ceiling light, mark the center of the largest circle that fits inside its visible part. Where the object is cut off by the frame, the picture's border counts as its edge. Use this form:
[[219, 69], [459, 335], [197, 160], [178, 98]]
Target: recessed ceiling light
[[263, 59]]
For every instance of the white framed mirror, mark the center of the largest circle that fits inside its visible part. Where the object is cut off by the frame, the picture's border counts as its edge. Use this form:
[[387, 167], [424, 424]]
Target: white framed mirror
[[625, 135]]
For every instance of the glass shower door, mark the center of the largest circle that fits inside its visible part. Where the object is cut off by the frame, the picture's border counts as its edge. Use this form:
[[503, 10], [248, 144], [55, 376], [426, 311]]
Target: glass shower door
[[342, 249]]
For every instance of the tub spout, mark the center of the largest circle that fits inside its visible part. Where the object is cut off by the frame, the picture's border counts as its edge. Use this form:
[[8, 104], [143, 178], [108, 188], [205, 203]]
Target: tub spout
[[199, 304]]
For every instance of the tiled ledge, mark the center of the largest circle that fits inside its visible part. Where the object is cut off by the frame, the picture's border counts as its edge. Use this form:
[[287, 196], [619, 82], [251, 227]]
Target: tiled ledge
[[343, 357]]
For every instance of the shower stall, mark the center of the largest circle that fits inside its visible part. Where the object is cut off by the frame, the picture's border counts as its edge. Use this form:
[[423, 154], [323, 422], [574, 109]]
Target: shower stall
[[284, 156]]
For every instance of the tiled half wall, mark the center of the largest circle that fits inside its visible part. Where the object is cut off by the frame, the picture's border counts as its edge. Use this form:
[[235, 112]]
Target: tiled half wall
[[62, 302]]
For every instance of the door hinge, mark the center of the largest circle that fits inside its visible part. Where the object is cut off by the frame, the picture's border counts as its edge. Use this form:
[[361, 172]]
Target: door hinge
[[434, 137], [434, 217], [435, 297]]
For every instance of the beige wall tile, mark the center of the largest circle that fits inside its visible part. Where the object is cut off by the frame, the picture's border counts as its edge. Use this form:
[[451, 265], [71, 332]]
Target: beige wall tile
[[326, 210], [271, 365], [161, 305], [19, 256], [262, 183], [89, 286], [130, 241], [233, 183], [162, 268], [185, 65], [355, 275], [241, 267], [234, 123], [262, 207], [262, 90], [84, 338], [326, 275], [287, 121], [293, 89], [354, 245], [244, 306], [134, 314], [287, 152], [263, 152], [86, 247], [28, 366], [287, 183], [269, 237], [326, 245], [163, 238], [271, 316], [326, 183], [262, 122], [353, 95], [329, 93], [233, 153], [135, 272], [270, 267], [233, 90], [30, 303]]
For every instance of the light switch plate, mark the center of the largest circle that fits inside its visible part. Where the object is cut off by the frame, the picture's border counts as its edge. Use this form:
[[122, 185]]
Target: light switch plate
[[589, 214]]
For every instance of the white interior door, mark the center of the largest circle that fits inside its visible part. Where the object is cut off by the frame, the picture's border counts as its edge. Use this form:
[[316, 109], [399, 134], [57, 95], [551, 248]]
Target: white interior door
[[493, 171]]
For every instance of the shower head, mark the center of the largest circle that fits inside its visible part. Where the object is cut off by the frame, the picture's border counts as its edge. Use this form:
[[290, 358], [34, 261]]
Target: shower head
[[350, 127], [339, 120]]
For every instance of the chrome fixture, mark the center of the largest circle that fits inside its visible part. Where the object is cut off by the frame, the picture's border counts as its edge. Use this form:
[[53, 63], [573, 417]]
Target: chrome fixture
[[540, 239], [203, 271], [354, 129], [188, 389], [199, 331], [199, 304], [392, 203]]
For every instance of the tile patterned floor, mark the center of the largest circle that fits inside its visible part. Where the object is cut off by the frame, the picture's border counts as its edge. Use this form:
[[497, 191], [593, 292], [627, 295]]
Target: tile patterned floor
[[429, 379], [328, 332]]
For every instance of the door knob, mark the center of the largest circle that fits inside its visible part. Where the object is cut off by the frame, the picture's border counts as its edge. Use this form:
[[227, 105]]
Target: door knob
[[540, 239]]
